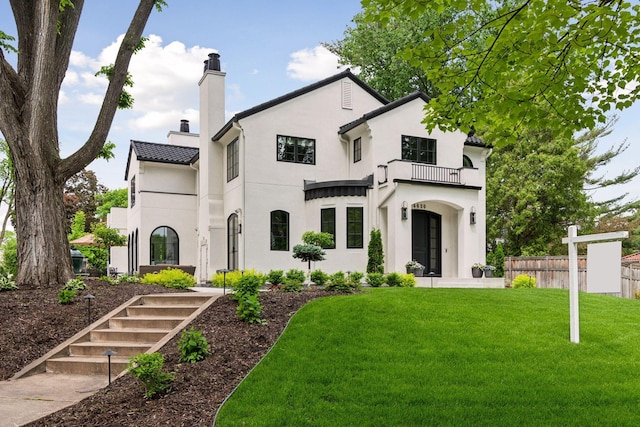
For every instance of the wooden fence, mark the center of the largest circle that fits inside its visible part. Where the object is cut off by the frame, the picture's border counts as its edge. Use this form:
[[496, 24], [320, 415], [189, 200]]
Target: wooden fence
[[553, 272]]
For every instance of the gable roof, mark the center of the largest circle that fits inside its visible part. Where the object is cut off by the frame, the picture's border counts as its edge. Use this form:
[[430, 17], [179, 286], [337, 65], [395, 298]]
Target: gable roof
[[390, 106], [296, 93], [161, 153]]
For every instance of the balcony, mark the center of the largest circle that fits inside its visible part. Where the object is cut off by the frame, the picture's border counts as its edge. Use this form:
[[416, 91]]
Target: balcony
[[403, 171]]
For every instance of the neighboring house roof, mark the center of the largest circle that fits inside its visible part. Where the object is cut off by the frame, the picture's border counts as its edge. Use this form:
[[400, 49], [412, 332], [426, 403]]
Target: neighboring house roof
[[161, 153], [632, 257], [251, 111], [390, 106]]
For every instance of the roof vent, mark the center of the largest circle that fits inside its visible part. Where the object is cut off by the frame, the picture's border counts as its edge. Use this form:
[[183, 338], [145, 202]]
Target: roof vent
[[184, 126], [213, 63]]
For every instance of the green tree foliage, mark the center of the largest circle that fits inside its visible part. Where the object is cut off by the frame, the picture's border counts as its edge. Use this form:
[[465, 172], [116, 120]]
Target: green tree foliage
[[317, 238], [312, 250], [111, 199], [628, 221], [534, 192], [85, 188], [557, 65], [6, 185], [9, 265], [375, 264], [78, 226]]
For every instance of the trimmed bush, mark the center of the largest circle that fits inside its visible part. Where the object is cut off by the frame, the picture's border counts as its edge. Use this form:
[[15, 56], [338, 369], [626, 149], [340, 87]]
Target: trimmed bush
[[147, 368], [338, 282], [193, 346], [291, 285], [356, 277], [275, 277], [296, 274], [375, 280], [523, 281], [375, 264], [393, 279], [319, 277], [408, 281], [172, 278]]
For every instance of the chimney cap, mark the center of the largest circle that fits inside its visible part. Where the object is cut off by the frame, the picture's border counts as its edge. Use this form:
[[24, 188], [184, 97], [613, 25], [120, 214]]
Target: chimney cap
[[184, 125]]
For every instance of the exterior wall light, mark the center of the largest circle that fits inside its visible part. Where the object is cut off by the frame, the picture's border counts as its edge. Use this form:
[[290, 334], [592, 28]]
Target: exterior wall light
[[403, 211], [472, 215]]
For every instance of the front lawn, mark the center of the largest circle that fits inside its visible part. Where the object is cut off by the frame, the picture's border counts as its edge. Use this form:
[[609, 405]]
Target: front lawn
[[417, 357]]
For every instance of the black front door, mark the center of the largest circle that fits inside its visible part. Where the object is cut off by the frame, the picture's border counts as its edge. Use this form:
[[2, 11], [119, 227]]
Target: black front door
[[426, 240]]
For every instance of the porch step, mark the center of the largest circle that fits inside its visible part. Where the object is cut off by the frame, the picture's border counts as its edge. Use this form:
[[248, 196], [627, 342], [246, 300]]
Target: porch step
[[141, 325]]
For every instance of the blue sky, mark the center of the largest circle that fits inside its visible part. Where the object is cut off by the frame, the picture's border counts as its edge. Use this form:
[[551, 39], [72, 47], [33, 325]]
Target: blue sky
[[267, 49]]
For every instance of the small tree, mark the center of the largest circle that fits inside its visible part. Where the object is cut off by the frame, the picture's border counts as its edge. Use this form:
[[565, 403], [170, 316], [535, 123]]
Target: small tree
[[312, 250], [375, 252]]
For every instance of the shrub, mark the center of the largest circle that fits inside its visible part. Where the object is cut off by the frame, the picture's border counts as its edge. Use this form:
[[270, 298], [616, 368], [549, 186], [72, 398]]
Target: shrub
[[173, 278], [292, 285], [66, 296], [375, 264], [393, 279], [232, 277], [296, 274], [275, 277], [147, 368], [248, 285], [338, 282], [408, 281], [110, 280], [75, 285], [375, 280], [524, 281], [319, 277], [193, 346], [249, 309], [128, 278], [356, 277], [7, 284]]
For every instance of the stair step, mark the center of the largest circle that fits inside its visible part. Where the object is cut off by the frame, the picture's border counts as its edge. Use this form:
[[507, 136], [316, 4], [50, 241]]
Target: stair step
[[139, 335], [174, 299], [96, 348], [161, 310], [150, 322], [86, 365]]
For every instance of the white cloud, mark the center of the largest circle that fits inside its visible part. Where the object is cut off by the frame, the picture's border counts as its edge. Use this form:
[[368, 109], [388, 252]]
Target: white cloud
[[313, 64], [164, 78]]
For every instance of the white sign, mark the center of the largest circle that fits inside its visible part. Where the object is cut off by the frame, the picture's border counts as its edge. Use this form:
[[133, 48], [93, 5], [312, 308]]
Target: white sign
[[604, 270]]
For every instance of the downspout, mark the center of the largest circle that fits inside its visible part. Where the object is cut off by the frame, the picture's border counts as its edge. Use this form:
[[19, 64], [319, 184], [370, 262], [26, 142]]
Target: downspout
[[236, 125]]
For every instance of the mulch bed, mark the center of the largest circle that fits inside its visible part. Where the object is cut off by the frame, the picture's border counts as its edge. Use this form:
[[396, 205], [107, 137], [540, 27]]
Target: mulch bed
[[33, 322]]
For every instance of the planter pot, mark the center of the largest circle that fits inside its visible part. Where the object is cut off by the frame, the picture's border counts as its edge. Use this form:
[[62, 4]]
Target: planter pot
[[476, 272], [416, 272], [488, 273]]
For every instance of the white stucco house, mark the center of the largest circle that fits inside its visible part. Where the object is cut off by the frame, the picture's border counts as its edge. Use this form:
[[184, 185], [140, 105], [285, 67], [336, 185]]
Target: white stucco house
[[334, 156]]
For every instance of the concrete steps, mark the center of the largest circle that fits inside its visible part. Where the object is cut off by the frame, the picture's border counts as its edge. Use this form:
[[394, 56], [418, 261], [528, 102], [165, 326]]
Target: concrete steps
[[142, 325]]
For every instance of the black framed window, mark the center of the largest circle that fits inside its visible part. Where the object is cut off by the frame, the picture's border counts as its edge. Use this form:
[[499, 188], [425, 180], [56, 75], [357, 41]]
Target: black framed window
[[357, 150], [466, 161], [279, 231], [132, 191], [328, 224], [419, 150], [296, 150], [355, 228], [164, 246], [233, 160]]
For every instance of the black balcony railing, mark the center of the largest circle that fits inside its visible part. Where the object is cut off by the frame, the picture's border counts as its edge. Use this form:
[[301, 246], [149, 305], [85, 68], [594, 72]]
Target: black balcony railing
[[430, 173]]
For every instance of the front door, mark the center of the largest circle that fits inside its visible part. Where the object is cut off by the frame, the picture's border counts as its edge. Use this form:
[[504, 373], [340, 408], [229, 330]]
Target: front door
[[426, 240]]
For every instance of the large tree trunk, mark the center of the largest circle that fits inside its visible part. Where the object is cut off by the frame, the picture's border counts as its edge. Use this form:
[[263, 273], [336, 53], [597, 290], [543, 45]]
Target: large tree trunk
[[28, 121], [43, 248]]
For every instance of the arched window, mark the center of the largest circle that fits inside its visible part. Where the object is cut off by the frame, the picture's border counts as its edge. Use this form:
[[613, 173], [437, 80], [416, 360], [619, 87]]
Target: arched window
[[232, 242], [164, 246], [279, 231], [466, 161]]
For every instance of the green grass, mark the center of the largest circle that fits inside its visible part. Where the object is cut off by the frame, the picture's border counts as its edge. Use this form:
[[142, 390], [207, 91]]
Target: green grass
[[448, 357]]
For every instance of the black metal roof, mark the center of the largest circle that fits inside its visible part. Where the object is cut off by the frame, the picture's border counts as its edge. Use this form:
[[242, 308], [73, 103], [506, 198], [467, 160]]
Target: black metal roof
[[161, 153], [390, 106], [336, 77]]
